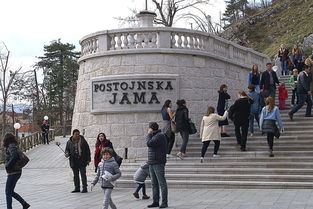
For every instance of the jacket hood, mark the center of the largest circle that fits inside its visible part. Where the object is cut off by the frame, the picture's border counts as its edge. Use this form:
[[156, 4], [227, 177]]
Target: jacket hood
[[109, 160]]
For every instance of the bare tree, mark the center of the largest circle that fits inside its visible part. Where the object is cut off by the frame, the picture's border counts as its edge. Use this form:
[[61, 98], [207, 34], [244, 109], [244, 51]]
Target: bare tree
[[7, 80], [167, 11]]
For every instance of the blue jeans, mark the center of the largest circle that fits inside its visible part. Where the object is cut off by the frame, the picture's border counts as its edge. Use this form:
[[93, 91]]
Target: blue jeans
[[9, 190], [157, 174], [251, 120], [283, 65], [303, 98]]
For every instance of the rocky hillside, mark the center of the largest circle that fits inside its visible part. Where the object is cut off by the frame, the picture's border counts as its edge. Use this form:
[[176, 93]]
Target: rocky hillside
[[287, 21]]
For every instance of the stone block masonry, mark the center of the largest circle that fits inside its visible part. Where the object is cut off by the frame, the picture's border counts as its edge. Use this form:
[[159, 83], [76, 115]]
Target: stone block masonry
[[123, 85]]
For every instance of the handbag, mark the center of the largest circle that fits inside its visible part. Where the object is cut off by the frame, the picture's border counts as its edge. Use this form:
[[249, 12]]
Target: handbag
[[173, 126], [22, 161], [192, 128]]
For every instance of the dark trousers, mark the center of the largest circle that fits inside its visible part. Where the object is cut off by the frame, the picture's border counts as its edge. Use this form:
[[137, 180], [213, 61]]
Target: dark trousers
[[251, 120], [82, 171], [206, 144], [241, 132], [143, 186], [157, 175], [302, 99], [270, 140], [9, 190], [185, 137], [45, 138], [170, 142], [294, 96]]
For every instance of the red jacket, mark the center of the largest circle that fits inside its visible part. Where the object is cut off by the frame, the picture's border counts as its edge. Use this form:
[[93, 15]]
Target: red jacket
[[99, 147], [283, 94]]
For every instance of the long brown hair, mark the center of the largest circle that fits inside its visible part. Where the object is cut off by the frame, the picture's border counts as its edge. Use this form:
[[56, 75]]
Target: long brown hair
[[257, 69], [270, 103], [210, 111], [222, 87]]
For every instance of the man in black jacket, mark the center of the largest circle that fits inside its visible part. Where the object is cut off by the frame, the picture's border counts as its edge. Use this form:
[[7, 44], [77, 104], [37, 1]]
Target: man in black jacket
[[303, 90], [268, 81], [157, 144], [78, 152]]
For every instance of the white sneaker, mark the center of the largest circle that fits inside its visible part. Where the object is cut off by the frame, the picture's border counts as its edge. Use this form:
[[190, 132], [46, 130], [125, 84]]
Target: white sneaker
[[216, 155], [167, 155], [201, 160], [251, 134]]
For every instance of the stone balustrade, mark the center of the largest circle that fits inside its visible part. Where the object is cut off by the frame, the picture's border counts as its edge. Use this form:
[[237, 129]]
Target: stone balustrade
[[160, 39]]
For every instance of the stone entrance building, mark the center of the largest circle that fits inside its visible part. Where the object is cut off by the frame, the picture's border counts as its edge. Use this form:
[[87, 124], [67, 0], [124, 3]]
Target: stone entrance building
[[126, 75]]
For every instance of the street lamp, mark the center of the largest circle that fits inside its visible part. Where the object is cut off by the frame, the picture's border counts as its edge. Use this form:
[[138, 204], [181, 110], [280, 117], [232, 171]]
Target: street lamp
[[16, 127], [46, 118]]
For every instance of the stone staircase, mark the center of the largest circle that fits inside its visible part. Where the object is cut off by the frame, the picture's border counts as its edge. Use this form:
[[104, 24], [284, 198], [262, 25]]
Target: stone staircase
[[292, 166]]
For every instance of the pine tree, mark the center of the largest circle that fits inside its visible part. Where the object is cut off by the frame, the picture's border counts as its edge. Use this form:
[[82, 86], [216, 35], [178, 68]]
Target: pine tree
[[60, 69]]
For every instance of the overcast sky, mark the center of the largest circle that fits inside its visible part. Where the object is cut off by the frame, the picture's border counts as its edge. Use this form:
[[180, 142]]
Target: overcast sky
[[26, 26]]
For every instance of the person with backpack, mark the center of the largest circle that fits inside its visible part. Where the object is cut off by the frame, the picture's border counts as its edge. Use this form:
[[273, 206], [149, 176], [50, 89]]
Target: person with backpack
[[140, 177], [14, 171]]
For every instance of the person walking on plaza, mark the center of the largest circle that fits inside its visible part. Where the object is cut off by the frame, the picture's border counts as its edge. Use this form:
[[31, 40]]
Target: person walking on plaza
[[157, 148], [255, 108], [293, 81], [222, 105], [239, 112], [304, 93], [254, 78], [78, 152], [309, 62], [109, 172], [45, 132], [268, 81], [182, 125], [283, 57], [282, 96], [140, 178], [168, 115], [209, 131], [269, 115], [10, 145]]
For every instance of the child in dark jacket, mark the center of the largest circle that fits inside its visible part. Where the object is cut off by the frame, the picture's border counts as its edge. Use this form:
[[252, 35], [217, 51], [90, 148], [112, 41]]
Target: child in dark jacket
[[140, 178], [109, 172], [282, 95]]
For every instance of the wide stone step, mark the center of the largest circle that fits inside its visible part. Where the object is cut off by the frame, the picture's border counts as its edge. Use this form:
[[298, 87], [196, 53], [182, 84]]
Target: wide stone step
[[225, 184], [231, 177], [136, 163], [197, 164]]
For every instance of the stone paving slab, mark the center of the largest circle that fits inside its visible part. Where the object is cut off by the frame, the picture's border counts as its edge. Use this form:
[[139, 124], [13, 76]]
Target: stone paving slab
[[46, 183]]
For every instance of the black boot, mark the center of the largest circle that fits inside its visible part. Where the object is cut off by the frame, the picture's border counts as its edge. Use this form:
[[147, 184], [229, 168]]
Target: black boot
[[154, 205], [26, 205]]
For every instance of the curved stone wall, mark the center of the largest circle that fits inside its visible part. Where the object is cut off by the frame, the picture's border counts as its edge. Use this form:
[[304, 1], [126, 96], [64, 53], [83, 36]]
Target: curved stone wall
[[168, 62]]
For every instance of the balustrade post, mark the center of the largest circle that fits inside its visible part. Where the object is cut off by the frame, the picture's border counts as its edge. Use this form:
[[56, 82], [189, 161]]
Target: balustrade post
[[104, 43], [248, 58], [164, 39], [230, 51]]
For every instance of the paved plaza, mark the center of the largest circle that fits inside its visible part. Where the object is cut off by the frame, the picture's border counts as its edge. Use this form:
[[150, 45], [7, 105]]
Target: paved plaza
[[46, 183]]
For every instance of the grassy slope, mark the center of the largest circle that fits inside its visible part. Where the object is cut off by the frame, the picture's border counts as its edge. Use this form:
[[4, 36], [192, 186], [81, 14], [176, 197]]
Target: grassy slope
[[287, 26]]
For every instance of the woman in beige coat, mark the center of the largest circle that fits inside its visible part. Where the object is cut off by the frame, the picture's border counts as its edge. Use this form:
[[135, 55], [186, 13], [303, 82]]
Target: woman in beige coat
[[209, 131]]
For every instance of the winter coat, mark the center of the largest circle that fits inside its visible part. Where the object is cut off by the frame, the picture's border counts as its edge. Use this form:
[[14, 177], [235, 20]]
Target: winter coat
[[293, 81], [209, 129], [255, 107], [11, 157], [250, 76], [222, 105], [265, 80], [157, 148], [110, 166], [283, 55], [182, 119], [239, 112], [282, 93], [98, 157], [85, 153], [303, 83], [141, 174]]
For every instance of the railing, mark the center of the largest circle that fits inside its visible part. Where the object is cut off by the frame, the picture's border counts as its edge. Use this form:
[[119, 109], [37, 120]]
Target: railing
[[28, 142], [191, 41]]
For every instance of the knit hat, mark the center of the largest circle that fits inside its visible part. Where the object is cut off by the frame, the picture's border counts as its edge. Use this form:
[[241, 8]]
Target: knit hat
[[154, 126]]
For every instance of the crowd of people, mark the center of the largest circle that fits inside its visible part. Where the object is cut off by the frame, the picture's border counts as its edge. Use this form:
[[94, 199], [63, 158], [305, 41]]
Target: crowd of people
[[258, 104]]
